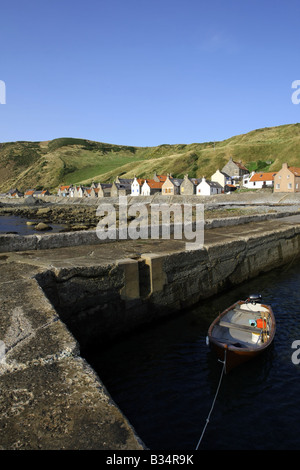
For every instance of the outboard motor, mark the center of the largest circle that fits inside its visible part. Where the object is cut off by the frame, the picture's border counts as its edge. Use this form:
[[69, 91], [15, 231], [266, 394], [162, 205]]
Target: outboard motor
[[254, 298]]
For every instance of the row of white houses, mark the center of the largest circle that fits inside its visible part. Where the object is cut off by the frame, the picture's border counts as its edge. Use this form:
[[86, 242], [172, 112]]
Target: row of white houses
[[165, 185], [232, 176]]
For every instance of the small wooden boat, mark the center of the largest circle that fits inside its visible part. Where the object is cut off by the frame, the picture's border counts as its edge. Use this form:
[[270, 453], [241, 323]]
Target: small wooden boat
[[244, 331]]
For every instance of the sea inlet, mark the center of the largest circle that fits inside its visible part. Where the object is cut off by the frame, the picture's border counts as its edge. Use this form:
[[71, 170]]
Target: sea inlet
[[164, 378]]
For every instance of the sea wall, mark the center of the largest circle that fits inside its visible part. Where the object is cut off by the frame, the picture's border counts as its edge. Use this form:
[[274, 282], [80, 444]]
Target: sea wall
[[263, 196], [99, 303], [45, 241], [54, 303]]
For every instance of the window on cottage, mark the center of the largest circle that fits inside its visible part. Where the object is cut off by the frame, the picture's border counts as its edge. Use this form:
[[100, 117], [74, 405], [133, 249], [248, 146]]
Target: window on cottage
[[277, 186], [290, 185]]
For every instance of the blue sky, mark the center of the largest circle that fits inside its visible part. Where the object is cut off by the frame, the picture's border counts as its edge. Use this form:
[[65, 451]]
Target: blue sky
[[147, 72]]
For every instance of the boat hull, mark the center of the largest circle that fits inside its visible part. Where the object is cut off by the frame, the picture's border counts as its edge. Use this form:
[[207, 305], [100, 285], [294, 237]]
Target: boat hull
[[236, 355]]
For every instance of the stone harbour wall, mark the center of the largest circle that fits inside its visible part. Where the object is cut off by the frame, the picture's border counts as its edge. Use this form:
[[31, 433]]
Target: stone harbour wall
[[53, 305], [45, 241], [101, 302]]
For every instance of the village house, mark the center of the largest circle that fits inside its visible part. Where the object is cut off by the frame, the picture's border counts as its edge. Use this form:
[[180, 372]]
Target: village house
[[230, 188], [71, 191], [89, 192], [124, 181], [259, 180], [171, 186], [159, 178], [103, 189], [100, 189], [188, 186], [121, 187], [236, 170], [151, 187], [208, 188], [136, 186], [29, 192], [63, 191], [222, 178], [15, 193], [96, 190], [36, 193], [287, 180], [78, 191], [41, 193]]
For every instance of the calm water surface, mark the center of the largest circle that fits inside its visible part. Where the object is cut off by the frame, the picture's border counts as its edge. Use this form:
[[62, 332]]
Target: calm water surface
[[17, 224], [164, 379]]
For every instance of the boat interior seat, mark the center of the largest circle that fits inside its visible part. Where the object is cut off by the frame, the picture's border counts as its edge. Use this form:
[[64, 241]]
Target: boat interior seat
[[239, 326]]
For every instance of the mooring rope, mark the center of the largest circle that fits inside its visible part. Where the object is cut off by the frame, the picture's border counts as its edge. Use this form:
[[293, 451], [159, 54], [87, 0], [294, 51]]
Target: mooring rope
[[213, 404]]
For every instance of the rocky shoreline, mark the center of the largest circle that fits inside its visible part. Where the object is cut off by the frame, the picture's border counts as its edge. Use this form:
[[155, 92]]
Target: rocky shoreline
[[77, 216], [72, 218]]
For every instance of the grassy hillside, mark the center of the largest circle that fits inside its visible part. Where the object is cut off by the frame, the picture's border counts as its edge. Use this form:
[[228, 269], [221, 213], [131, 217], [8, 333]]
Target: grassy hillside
[[66, 160]]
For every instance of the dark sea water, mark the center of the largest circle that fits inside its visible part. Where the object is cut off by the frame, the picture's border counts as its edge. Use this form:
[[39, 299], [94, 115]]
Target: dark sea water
[[17, 224], [164, 378]]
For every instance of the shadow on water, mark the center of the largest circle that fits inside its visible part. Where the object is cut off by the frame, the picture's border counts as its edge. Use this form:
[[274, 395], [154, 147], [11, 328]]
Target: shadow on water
[[164, 378]]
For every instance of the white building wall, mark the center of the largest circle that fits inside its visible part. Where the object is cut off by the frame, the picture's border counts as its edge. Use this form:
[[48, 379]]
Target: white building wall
[[135, 188], [145, 191]]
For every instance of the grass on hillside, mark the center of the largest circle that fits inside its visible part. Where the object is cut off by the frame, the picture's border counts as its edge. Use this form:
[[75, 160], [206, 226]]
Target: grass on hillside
[[67, 160]]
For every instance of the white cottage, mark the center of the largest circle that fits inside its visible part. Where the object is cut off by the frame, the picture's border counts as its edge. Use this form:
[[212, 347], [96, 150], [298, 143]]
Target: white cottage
[[136, 186], [145, 190], [79, 190], [259, 180], [208, 188], [151, 187]]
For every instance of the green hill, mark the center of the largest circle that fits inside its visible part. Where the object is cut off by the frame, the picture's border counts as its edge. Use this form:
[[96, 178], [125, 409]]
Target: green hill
[[67, 160]]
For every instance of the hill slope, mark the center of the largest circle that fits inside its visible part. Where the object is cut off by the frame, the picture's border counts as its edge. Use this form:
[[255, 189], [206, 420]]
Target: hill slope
[[66, 160]]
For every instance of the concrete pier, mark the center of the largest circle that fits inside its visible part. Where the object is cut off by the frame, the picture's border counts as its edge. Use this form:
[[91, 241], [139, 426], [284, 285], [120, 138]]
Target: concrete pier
[[57, 299]]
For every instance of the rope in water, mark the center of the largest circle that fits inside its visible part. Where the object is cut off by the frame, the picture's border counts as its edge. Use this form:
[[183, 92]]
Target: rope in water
[[213, 404]]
